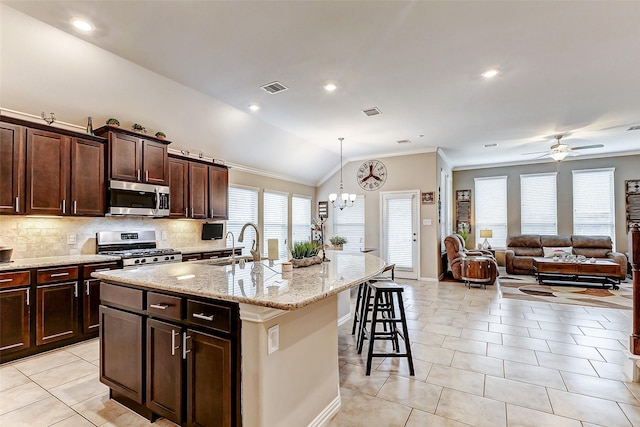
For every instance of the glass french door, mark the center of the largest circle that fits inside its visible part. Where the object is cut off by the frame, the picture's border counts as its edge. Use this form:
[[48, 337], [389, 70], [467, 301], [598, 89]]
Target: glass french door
[[399, 232]]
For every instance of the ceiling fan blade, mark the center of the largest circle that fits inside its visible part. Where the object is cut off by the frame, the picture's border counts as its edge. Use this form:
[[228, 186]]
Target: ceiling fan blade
[[536, 152], [584, 147]]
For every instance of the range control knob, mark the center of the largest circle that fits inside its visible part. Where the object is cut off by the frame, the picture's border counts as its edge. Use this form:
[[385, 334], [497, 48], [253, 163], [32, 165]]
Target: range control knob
[[143, 260]]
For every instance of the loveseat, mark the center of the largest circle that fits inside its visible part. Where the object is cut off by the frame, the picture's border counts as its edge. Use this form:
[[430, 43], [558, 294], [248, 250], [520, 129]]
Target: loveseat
[[522, 248]]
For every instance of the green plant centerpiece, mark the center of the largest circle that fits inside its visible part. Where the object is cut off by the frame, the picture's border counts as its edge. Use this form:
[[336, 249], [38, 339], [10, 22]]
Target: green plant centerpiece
[[160, 135], [338, 242], [113, 122], [139, 128], [304, 254]]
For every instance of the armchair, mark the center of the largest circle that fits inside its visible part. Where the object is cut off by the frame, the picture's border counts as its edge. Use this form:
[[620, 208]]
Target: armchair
[[456, 251]]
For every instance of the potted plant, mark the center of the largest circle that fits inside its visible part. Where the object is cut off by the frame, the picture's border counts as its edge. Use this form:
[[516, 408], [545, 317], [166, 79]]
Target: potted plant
[[338, 242], [160, 135], [113, 122], [139, 128], [304, 254]]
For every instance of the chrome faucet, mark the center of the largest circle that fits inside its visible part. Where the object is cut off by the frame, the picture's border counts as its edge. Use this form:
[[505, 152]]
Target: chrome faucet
[[233, 247], [255, 247]]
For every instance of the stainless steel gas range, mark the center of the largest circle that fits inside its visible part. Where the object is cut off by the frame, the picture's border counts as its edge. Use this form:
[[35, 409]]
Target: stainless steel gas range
[[135, 248]]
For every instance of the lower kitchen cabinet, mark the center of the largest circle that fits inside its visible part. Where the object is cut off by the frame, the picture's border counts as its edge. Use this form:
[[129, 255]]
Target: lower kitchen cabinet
[[91, 296], [209, 388], [165, 369], [14, 317], [176, 357], [56, 313], [121, 352]]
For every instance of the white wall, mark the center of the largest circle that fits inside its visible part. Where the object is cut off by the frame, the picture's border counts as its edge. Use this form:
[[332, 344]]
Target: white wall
[[404, 173]]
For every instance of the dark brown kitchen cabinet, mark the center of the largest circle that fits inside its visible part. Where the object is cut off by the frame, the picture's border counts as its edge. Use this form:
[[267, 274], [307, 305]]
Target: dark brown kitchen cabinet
[[12, 168], [57, 304], [189, 188], [209, 388], [15, 309], [88, 188], [136, 158], [164, 369], [47, 173], [218, 192], [178, 188], [121, 352], [91, 296]]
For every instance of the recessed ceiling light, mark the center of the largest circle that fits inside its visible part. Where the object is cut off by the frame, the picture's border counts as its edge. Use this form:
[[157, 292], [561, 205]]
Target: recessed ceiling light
[[490, 73], [330, 87], [81, 24], [254, 107]]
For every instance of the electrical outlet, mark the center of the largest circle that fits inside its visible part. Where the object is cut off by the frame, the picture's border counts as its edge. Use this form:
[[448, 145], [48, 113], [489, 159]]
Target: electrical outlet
[[71, 238], [163, 235], [426, 222], [273, 339]]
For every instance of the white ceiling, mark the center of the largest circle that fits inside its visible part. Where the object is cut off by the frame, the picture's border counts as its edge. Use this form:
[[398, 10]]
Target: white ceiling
[[567, 67]]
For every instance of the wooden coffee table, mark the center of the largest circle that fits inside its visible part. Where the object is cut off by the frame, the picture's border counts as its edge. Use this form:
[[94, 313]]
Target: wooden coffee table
[[602, 271]]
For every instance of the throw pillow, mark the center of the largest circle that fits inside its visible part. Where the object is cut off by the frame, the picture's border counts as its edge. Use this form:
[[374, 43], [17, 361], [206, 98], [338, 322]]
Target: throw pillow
[[551, 251]]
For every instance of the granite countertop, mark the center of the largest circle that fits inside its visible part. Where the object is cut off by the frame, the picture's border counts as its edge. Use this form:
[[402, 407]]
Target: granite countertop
[[272, 288], [52, 261], [205, 248]]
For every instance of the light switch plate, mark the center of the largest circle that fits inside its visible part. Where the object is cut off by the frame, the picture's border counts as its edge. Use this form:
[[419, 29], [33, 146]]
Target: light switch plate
[[71, 238], [163, 235], [426, 222], [273, 339]]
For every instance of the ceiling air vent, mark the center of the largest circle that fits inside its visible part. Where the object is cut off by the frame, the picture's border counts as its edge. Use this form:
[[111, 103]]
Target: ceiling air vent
[[489, 145], [372, 112], [634, 127], [404, 141], [274, 87]]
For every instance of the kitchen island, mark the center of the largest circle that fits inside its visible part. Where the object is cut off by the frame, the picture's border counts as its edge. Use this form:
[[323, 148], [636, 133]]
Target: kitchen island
[[273, 334]]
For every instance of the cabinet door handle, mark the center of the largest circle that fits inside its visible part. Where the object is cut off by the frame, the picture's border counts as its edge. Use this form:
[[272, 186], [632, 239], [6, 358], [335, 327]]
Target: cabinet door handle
[[17, 204], [64, 206], [59, 274], [27, 291], [75, 206], [146, 175], [138, 175], [186, 212], [86, 284], [203, 316], [75, 289], [101, 269], [185, 337], [6, 280], [174, 334], [159, 306]]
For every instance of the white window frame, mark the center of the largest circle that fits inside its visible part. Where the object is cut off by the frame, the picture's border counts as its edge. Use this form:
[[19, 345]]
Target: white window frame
[[350, 229], [491, 213], [299, 227], [539, 203], [602, 221]]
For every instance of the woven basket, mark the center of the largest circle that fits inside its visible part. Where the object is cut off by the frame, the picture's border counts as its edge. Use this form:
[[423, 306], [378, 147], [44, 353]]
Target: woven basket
[[305, 262]]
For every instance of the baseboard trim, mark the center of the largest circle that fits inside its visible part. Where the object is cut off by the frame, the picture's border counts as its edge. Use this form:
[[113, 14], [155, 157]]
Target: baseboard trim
[[344, 319], [428, 279], [327, 413]]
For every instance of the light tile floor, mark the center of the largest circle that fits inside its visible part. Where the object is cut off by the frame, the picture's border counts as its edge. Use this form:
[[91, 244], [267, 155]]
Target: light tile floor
[[480, 360]]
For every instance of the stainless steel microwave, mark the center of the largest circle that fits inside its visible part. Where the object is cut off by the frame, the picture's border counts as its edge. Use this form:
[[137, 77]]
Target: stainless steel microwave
[[133, 198]]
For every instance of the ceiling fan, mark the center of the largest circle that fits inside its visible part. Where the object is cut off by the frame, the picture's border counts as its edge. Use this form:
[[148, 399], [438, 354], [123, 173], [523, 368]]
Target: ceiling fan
[[559, 151]]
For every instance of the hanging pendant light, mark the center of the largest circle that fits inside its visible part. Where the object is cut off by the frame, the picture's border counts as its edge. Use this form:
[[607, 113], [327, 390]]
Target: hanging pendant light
[[346, 199]]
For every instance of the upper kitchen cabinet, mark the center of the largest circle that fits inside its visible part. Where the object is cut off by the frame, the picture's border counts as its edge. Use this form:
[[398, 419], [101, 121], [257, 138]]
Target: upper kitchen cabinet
[[50, 171], [188, 185], [136, 158], [218, 192], [12, 168]]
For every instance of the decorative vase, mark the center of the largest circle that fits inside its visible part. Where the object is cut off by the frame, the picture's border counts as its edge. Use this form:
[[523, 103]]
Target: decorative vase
[[306, 262]]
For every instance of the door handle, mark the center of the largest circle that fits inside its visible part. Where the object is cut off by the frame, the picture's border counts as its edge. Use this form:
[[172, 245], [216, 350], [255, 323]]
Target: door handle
[[59, 274], [185, 337], [146, 175], [157, 200], [6, 280], [75, 290], [17, 204], [27, 291], [159, 306], [203, 316], [174, 334], [64, 206], [138, 175], [75, 206], [86, 284]]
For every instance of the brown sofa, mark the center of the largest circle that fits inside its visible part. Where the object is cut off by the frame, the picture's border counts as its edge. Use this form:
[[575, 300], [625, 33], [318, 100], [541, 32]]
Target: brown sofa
[[456, 251], [522, 248]]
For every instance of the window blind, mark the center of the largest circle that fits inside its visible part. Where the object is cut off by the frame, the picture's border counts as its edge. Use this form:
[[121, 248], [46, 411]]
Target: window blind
[[300, 218], [593, 202], [538, 204], [276, 221], [491, 209], [349, 223], [243, 208]]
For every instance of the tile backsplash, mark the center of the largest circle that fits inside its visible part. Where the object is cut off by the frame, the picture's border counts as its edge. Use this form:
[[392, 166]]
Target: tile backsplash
[[35, 237]]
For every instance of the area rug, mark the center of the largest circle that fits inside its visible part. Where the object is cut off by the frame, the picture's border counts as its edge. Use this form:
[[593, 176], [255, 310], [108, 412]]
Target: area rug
[[592, 295]]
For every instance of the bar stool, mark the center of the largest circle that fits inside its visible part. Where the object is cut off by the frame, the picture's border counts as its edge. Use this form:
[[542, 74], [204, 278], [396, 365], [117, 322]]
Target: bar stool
[[386, 295], [358, 309]]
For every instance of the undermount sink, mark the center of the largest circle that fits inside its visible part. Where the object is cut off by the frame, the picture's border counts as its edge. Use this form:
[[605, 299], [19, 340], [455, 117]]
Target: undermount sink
[[227, 260]]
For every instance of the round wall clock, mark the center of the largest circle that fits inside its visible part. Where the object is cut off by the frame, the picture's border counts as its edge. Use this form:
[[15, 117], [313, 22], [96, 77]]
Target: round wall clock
[[372, 175]]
